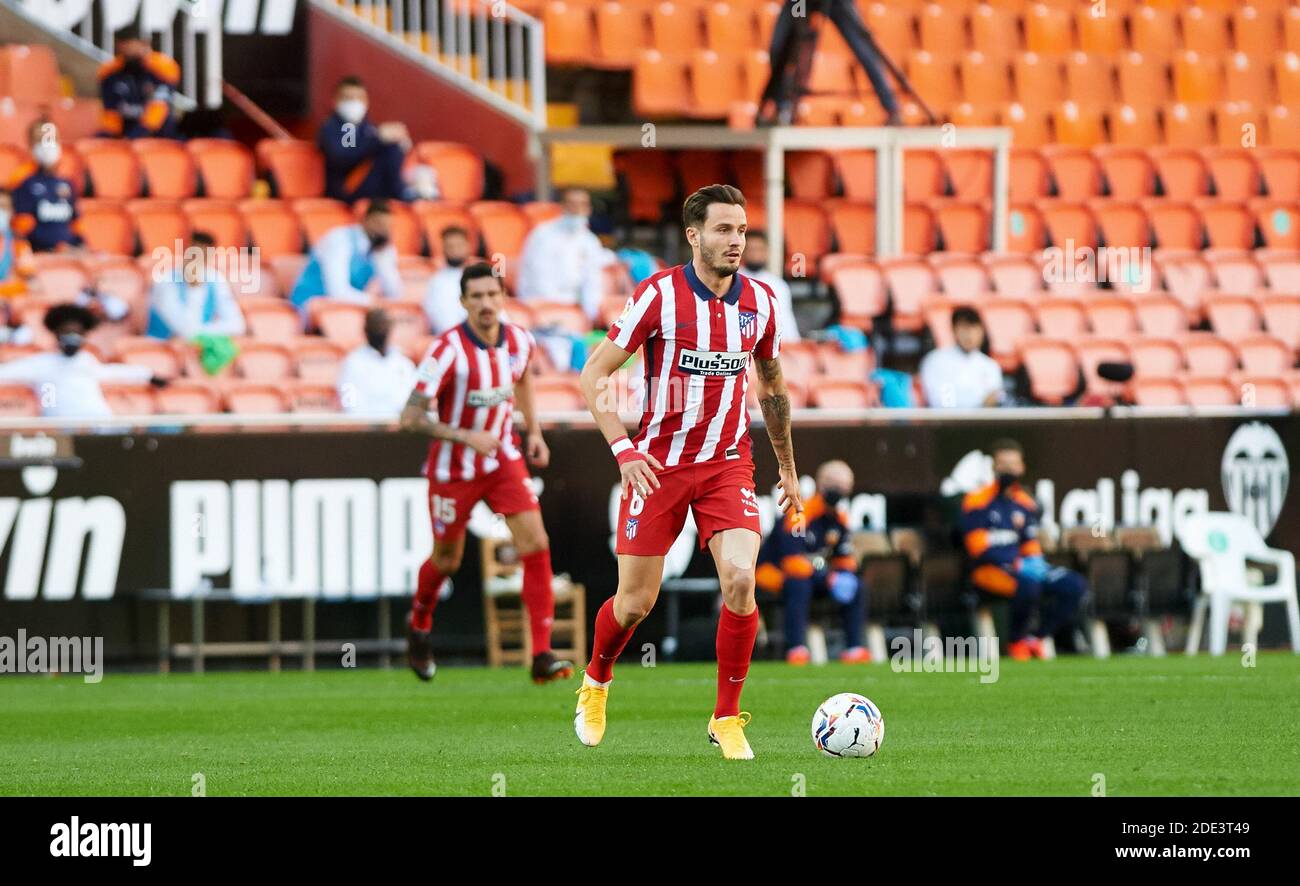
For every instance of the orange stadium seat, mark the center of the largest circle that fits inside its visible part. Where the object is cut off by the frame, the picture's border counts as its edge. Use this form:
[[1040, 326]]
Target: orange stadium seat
[[271, 319], [1184, 173], [1121, 223], [558, 394], [405, 233], [317, 216], [890, 23], [1061, 318], [1263, 391], [726, 25], [459, 168], [923, 175], [961, 277], [1079, 125], [1014, 276], [675, 27], [1031, 126], [985, 78], [1025, 229], [1076, 172], [1234, 271], [964, 225], [1090, 79], [317, 359], [1143, 79], [716, 82], [1154, 30], [660, 85], [1279, 221], [834, 393], [187, 398], [1257, 31], [59, 277], [1281, 313], [697, 169], [15, 123], [809, 175], [129, 399], [1186, 277], [255, 398], [1048, 29], [1114, 318], [807, 232], [568, 28], [1263, 354], [1134, 127], [854, 226], [836, 363], [1227, 225], [1208, 355], [312, 398], [942, 28], [30, 70], [1247, 80], [1281, 269], [621, 31], [1130, 174], [1158, 392], [969, 172], [105, 227], [339, 322], [1039, 79], [1205, 30], [920, 232], [1155, 357], [296, 168], [161, 357], [272, 227], [285, 270], [934, 77], [263, 361], [857, 173], [1176, 225], [1233, 120], [1232, 317], [1210, 391], [1286, 70], [1103, 34], [112, 167], [911, 283], [159, 224], [1052, 369], [1069, 223], [225, 167], [1031, 176], [435, 217], [861, 293], [1235, 173], [1007, 322], [169, 170], [18, 401], [503, 226], [1188, 125], [1093, 351], [220, 218], [1161, 315], [1280, 168]]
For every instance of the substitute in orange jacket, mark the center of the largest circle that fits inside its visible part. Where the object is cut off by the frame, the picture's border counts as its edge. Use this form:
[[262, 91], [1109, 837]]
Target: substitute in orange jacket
[[1000, 526], [45, 203], [811, 554], [136, 90]]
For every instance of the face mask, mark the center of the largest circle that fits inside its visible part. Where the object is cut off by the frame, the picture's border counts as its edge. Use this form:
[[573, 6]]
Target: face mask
[[352, 110], [70, 343], [575, 222], [377, 241], [753, 266], [832, 497], [454, 262], [378, 341], [47, 154], [134, 65], [1005, 480]]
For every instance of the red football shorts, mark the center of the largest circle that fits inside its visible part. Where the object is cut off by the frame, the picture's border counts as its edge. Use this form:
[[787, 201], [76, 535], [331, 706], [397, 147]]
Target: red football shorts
[[507, 491], [720, 494]]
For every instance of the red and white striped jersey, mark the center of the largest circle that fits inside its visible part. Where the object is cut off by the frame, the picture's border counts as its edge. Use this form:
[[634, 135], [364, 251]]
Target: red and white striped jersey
[[697, 350], [472, 385]]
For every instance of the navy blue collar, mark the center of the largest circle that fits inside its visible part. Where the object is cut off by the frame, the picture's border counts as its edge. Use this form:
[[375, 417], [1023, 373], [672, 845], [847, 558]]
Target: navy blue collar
[[478, 342], [703, 292]]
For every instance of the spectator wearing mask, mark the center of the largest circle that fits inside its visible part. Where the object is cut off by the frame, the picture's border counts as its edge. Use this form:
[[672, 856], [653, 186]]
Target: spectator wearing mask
[[755, 258], [15, 253], [67, 380], [136, 89], [811, 554], [347, 258], [362, 159], [999, 524], [45, 204], [376, 379], [962, 376], [563, 260], [198, 301], [442, 297]]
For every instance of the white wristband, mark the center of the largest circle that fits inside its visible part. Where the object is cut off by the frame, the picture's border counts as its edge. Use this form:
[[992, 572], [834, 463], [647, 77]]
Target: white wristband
[[621, 445]]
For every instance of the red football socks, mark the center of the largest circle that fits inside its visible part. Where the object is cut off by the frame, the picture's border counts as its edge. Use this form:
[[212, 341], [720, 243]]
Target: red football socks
[[539, 598], [611, 637], [736, 635], [426, 596]]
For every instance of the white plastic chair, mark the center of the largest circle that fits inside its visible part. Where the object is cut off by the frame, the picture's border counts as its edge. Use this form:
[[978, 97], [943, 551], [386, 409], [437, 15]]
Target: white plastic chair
[[1221, 543]]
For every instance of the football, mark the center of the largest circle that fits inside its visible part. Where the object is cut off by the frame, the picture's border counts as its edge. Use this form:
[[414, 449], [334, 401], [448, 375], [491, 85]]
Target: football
[[848, 725]]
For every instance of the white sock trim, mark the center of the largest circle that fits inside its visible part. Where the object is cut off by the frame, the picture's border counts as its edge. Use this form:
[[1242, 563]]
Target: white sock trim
[[587, 681]]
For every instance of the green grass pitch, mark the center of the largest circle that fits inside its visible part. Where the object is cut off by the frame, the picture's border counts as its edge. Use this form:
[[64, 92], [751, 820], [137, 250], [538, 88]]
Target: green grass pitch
[[1148, 726]]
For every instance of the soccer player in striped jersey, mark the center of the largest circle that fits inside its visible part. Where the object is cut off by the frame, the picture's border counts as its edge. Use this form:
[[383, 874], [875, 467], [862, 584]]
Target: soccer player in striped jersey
[[699, 324], [466, 389]]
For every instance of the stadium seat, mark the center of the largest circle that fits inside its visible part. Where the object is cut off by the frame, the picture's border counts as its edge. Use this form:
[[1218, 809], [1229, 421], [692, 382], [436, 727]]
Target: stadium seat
[[272, 227], [1210, 391], [1188, 125], [271, 320], [187, 398], [807, 233], [923, 175], [852, 365], [969, 172], [1155, 357], [1143, 79], [1134, 127], [1069, 223], [1263, 391], [934, 76], [854, 226], [59, 277], [159, 224], [112, 168], [809, 175], [105, 227], [1175, 225], [316, 359], [1048, 29], [312, 398], [225, 167], [660, 85], [893, 26], [1090, 79], [30, 70], [435, 217], [1278, 221], [1158, 392], [161, 357], [725, 26], [1232, 317], [255, 398], [857, 173], [564, 316], [295, 169], [1287, 71], [169, 169], [1090, 353], [405, 232], [1007, 322], [1186, 277], [1061, 318], [1263, 354], [263, 361], [459, 169], [1281, 313], [835, 393], [18, 401], [1280, 168], [503, 226], [1208, 355], [1205, 30], [339, 322], [985, 78], [1079, 125], [1247, 81], [1161, 315], [1014, 276], [919, 229], [911, 282], [317, 216], [1076, 172], [962, 278], [558, 394], [1121, 223], [1227, 225], [1101, 34], [1113, 318], [1129, 173], [1234, 172], [127, 399], [1052, 369], [220, 218], [861, 293], [964, 225]]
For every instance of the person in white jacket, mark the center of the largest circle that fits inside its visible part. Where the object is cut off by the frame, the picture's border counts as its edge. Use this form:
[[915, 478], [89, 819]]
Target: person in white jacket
[[347, 258], [67, 381], [563, 260], [376, 379], [755, 260]]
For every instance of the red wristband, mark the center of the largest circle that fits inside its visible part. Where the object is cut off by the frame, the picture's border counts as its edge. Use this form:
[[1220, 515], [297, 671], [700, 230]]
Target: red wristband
[[624, 451]]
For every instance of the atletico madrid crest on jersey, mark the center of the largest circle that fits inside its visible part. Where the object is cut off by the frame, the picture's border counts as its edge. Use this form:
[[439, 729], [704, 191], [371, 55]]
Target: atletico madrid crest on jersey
[[630, 529], [748, 319]]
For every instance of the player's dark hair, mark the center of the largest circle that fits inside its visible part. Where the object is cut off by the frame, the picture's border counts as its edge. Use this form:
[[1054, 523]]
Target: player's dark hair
[[349, 80], [966, 316], [696, 208], [203, 239], [377, 206], [1006, 444], [476, 271], [453, 229]]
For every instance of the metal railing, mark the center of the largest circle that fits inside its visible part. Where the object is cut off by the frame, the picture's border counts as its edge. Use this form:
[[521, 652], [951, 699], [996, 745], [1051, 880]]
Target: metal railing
[[486, 47]]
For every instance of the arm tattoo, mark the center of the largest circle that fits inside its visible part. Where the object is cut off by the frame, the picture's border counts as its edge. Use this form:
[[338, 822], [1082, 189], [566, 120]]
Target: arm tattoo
[[416, 418], [776, 411]]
